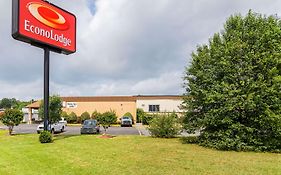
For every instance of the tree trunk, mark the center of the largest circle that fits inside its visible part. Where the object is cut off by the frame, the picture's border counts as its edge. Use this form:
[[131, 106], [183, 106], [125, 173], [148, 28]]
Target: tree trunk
[[10, 129]]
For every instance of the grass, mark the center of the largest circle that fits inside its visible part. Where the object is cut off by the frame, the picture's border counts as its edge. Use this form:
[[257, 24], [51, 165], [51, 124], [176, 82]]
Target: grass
[[88, 154]]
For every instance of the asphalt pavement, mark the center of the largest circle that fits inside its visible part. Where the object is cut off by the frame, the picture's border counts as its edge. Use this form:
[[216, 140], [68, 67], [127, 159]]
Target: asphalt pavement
[[75, 130]]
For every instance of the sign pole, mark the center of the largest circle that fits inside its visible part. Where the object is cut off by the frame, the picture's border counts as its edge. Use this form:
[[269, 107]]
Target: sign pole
[[46, 86]]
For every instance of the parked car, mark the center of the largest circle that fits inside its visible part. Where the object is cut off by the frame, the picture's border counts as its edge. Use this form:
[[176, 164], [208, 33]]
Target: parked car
[[126, 121], [90, 127], [55, 128]]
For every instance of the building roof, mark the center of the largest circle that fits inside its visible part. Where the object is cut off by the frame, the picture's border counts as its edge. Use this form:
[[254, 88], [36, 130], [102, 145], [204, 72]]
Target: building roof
[[34, 105]]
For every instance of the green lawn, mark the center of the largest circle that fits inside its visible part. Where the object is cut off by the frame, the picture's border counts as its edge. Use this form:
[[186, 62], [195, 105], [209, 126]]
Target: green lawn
[[132, 155]]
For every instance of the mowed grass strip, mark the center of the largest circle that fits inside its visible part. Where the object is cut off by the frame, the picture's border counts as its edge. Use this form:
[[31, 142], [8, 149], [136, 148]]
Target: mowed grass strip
[[88, 154]]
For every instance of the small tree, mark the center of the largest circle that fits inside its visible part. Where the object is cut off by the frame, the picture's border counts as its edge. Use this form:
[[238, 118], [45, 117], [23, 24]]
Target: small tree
[[106, 119], [164, 126], [55, 109], [11, 118], [85, 116], [140, 115], [72, 117], [95, 115]]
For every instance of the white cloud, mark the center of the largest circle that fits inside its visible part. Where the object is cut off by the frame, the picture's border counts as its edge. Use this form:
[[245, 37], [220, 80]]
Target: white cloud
[[129, 47]]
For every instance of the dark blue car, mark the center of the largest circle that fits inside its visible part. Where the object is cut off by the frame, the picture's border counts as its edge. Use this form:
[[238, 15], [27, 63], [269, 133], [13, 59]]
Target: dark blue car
[[90, 127]]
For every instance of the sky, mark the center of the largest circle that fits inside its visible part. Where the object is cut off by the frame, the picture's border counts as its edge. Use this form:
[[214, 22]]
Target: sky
[[124, 47]]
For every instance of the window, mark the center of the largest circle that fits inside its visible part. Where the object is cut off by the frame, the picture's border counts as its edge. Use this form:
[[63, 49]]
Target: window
[[154, 108]]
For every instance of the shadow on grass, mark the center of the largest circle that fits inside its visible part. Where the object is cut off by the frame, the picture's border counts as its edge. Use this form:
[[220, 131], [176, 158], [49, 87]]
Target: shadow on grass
[[61, 137]]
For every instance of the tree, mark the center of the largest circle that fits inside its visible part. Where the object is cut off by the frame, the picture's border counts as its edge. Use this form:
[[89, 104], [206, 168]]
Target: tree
[[95, 115], [7, 103], [11, 118], [140, 114], [55, 109], [72, 118], [106, 119], [85, 116], [233, 86]]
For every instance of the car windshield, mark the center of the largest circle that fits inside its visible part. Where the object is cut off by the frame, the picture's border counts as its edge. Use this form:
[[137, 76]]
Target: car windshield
[[126, 117], [89, 122]]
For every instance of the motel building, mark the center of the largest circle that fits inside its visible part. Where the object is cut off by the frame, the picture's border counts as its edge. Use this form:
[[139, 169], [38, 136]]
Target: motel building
[[153, 104]]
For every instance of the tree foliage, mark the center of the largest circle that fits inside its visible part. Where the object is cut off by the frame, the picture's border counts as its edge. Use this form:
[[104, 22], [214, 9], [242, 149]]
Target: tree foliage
[[107, 119], [235, 86], [85, 116], [8, 103], [11, 118], [55, 109]]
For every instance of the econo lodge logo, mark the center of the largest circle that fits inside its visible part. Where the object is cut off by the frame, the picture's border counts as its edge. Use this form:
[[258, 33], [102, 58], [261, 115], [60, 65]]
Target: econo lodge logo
[[48, 16], [42, 23]]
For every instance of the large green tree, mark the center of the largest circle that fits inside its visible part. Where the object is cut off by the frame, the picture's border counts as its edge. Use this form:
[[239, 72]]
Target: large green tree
[[55, 109], [233, 86]]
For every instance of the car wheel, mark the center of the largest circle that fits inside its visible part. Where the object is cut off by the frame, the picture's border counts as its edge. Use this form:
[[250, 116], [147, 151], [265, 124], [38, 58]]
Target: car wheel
[[62, 129], [38, 132], [53, 131]]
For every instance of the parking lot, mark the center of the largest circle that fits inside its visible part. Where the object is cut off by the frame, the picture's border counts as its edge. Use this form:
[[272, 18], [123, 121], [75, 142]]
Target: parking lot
[[75, 130]]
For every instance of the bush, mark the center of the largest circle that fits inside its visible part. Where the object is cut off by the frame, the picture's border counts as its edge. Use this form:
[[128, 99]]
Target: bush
[[128, 114], [85, 116], [95, 115], [189, 139], [164, 126], [140, 115], [72, 118], [64, 115], [147, 118], [45, 137]]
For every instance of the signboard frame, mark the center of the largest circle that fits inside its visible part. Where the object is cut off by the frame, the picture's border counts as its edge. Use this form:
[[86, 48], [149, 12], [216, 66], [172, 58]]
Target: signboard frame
[[33, 41]]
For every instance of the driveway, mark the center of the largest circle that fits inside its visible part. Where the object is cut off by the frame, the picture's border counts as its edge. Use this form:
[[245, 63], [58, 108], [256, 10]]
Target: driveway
[[75, 130]]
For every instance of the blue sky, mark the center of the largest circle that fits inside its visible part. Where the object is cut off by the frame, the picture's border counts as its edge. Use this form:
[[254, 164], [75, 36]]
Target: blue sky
[[124, 47]]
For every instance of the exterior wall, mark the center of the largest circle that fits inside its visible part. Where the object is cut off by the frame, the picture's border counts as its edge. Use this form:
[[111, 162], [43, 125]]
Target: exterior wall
[[30, 115], [166, 105], [120, 107]]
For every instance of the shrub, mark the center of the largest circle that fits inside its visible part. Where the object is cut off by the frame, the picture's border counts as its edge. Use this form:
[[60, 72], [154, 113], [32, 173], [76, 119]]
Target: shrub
[[140, 115], [64, 115], [85, 116], [189, 139], [45, 137], [147, 118], [72, 118], [95, 115], [128, 114], [164, 126]]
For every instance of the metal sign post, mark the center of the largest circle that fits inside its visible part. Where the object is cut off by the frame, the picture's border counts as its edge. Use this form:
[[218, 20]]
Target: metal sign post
[[46, 87]]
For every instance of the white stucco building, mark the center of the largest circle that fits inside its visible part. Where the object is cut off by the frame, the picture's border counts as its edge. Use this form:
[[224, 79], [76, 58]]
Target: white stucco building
[[160, 104]]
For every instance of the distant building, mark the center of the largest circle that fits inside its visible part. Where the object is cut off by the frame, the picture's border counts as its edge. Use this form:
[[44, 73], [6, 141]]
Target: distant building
[[120, 104]]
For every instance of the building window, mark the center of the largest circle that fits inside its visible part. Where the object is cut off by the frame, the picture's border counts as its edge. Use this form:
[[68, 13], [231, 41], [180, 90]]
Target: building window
[[154, 108]]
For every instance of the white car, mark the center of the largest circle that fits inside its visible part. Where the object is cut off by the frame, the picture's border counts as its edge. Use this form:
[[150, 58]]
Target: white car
[[55, 128]]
